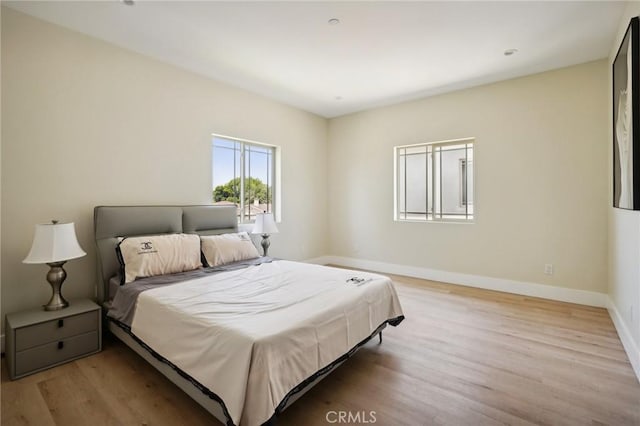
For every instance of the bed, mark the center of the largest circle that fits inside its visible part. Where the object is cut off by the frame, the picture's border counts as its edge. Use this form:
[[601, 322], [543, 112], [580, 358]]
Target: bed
[[243, 339]]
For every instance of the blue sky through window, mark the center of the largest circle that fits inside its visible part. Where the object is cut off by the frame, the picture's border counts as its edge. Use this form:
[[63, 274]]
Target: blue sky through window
[[226, 161]]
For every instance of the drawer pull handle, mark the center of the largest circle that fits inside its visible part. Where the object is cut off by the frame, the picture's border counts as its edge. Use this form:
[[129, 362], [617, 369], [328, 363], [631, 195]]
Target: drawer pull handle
[[60, 345], [60, 323]]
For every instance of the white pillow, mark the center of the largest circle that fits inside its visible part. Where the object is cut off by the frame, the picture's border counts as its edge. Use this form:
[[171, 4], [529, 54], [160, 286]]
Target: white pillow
[[227, 248], [158, 255]]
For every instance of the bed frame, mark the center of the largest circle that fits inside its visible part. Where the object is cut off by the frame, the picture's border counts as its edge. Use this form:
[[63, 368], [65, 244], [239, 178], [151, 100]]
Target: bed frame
[[111, 222]]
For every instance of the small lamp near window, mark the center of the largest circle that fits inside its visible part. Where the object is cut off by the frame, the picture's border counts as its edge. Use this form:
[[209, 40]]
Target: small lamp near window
[[265, 225], [54, 243]]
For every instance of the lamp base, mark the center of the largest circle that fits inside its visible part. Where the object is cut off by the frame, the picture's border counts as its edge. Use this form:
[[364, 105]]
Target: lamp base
[[56, 277], [265, 244]]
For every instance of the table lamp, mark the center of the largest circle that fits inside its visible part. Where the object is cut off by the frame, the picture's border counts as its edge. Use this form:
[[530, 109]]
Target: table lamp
[[265, 225], [54, 243]]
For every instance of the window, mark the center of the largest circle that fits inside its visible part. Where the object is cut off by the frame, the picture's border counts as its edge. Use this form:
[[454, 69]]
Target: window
[[434, 181], [243, 175]]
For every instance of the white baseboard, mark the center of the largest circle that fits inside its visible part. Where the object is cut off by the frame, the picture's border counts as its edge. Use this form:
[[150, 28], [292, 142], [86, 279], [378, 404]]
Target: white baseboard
[[563, 294], [630, 345], [322, 260]]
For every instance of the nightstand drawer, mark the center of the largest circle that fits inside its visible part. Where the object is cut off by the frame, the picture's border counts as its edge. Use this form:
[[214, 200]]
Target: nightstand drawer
[[56, 352], [55, 330]]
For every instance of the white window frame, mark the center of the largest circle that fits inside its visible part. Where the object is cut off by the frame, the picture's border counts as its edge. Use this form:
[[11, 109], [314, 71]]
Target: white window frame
[[430, 217], [276, 195]]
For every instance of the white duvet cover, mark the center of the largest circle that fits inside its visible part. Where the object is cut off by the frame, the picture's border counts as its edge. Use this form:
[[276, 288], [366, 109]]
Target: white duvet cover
[[252, 335]]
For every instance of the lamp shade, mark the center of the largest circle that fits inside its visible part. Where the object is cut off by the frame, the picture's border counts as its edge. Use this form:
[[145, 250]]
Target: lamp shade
[[265, 224], [54, 242]]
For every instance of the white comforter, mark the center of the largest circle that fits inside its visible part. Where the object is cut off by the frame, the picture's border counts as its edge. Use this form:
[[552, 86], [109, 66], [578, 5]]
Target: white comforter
[[252, 335]]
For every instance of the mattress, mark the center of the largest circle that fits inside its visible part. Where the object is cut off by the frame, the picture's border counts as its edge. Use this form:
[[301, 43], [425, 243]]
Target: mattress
[[251, 335]]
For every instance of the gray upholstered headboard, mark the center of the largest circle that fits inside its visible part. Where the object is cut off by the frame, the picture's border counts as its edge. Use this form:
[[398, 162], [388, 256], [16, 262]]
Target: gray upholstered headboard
[[111, 222]]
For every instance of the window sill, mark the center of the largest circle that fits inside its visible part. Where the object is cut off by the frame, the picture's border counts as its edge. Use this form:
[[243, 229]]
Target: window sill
[[455, 222]]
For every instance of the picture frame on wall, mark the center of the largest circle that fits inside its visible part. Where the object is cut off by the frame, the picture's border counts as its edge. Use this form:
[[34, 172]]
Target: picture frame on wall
[[626, 120]]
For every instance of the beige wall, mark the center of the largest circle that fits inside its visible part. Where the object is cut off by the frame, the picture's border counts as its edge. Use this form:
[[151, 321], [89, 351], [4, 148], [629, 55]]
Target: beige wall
[[541, 180], [624, 232], [87, 123]]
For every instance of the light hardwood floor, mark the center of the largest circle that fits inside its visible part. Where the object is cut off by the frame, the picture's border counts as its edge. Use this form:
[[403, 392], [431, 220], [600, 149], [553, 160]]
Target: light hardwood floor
[[463, 356]]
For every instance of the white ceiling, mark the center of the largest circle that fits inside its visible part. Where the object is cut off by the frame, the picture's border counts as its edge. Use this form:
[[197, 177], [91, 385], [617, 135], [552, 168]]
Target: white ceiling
[[380, 53]]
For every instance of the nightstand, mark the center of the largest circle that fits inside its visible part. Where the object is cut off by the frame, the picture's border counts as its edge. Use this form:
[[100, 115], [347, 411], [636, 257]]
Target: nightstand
[[38, 339]]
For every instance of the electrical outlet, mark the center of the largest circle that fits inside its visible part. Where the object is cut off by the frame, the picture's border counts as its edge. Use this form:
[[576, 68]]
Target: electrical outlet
[[548, 269]]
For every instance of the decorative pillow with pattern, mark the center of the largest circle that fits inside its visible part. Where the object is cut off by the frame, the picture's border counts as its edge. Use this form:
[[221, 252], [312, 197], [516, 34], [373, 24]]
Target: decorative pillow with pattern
[[158, 255]]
